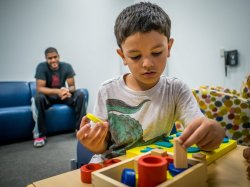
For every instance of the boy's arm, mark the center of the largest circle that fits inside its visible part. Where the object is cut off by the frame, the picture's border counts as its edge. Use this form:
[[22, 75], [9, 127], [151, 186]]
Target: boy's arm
[[205, 133]]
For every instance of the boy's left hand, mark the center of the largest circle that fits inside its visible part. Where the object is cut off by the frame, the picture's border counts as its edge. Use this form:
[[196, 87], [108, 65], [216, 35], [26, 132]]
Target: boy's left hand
[[205, 133]]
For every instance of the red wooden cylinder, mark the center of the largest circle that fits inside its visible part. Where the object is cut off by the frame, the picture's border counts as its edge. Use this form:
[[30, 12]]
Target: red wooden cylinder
[[111, 161], [86, 171], [152, 170]]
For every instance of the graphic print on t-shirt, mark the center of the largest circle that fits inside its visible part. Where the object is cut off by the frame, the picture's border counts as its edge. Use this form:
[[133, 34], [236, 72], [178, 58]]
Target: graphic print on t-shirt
[[55, 82], [126, 132]]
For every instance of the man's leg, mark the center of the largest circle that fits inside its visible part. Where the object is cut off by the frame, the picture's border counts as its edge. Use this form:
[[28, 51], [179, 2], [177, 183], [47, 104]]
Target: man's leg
[[34, 114], [42, 103]]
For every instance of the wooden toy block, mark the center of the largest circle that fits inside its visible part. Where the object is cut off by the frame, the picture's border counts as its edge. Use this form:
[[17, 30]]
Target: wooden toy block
[[159, 152], [180, 155], [199, 156], [110, 176]]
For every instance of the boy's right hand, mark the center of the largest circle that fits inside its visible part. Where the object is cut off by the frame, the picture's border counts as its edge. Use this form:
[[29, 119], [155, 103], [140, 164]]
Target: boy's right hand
[[93, 137]]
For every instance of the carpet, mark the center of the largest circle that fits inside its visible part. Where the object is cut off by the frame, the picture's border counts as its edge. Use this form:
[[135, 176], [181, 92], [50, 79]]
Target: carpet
[[21, 163]]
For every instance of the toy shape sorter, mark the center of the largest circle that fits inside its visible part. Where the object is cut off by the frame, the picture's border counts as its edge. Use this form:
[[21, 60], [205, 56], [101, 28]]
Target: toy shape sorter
[[194, 175], [167, 145]]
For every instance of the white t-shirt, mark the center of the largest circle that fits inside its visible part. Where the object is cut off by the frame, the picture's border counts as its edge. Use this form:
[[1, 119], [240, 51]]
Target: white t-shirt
[[142, 117]]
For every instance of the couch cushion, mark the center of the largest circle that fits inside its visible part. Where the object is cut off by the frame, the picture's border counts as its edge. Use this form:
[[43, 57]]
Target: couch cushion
[[32, 88], [15, 123], [60, 117], [14, 94]]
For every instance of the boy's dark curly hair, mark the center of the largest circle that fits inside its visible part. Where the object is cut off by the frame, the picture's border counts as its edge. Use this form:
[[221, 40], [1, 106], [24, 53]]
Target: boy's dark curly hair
[[141, 17]]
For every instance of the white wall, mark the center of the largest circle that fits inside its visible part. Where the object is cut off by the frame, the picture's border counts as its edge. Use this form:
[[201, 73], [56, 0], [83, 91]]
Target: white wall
[[200, 29], [82, 31]]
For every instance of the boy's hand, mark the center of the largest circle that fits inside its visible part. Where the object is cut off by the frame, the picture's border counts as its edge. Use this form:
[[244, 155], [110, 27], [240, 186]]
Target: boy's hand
[[205, 133], [93, 138]]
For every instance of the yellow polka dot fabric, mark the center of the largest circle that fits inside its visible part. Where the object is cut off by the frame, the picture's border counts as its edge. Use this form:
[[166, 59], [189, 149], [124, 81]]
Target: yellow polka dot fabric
[[228, 107], [230, 110], [245, 89]]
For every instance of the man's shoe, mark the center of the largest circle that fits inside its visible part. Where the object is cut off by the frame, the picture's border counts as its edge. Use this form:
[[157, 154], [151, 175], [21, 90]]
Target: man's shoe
[[39, 142]]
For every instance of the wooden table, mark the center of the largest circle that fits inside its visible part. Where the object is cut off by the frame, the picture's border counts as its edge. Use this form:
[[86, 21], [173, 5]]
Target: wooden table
[[227, 171]]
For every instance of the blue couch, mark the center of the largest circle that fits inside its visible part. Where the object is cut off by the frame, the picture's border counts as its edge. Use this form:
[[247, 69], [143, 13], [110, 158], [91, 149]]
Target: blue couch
[[16, 121]]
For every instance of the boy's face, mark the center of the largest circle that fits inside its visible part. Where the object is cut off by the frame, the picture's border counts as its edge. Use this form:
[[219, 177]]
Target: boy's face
[[53, 60], [146, 55]]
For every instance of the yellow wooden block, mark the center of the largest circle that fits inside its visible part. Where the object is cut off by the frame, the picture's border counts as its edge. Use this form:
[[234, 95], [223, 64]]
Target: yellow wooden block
[[93, 118]]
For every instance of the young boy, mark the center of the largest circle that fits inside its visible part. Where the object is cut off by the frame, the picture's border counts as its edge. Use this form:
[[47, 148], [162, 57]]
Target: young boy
[[141, 107]]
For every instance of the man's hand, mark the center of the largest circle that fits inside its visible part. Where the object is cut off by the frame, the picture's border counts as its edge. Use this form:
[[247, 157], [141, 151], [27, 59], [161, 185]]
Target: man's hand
[[205, 133], [64, 93]]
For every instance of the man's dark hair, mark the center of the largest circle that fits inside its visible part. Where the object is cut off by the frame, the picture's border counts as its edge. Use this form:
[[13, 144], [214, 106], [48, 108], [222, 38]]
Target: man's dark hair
[[50, 50], [141, 17]]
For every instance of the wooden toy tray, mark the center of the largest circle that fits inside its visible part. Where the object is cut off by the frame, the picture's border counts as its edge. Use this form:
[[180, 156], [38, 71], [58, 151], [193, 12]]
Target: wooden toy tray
[[110, 176]]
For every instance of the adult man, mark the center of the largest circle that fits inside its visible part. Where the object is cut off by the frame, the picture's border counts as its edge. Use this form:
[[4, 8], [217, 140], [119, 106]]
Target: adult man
[[55, 84]]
